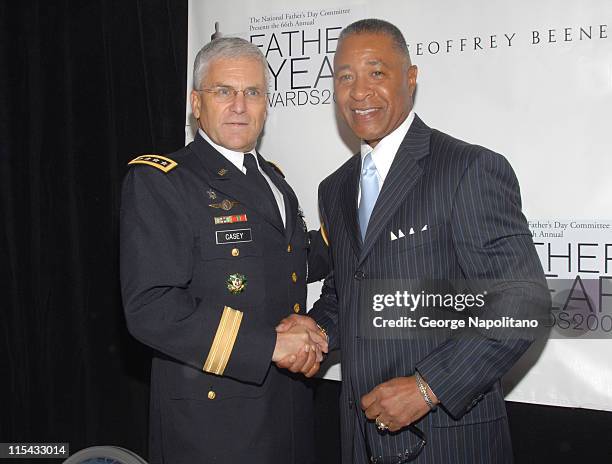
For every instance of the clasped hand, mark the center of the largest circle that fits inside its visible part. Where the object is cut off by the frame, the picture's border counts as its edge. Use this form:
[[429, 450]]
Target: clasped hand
[[300, 345]]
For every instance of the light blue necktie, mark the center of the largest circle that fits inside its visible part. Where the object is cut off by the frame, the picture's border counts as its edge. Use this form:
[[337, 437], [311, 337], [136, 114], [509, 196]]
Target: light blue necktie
[[369, 192]]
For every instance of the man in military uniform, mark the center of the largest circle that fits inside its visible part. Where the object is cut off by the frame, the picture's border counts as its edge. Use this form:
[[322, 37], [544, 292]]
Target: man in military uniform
[[213, 255]]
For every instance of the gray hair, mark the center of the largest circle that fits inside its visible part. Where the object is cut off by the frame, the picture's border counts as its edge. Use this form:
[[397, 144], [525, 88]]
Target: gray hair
[[377, 26], [226, 47]]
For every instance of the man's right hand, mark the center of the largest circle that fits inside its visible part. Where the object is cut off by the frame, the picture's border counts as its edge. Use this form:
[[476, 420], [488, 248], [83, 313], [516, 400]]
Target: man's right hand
[[307, 360]]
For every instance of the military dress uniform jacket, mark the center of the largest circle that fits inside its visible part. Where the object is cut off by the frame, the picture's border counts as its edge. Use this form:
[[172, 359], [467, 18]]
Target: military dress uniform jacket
[[206, 276], [447, 212]]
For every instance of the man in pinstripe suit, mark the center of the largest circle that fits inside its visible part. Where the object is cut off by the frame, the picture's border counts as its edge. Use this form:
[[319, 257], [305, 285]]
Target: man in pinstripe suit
[[440, 210]]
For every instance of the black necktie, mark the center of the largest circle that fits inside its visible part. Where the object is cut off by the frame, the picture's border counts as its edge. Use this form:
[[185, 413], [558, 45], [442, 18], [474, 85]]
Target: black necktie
[[261, 186]]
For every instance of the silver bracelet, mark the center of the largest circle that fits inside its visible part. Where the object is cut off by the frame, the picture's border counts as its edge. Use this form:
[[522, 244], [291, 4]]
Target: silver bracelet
[[423, 389]]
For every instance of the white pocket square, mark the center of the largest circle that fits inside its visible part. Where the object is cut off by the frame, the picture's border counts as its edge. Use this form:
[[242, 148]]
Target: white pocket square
[[400, 233]]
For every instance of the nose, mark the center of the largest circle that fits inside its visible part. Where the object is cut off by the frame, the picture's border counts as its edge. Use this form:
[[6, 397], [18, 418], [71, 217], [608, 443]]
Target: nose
[[361, 89], [238, 103]]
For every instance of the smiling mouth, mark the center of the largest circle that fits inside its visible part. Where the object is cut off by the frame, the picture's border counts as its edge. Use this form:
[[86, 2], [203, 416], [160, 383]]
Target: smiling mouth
[[364, 112]]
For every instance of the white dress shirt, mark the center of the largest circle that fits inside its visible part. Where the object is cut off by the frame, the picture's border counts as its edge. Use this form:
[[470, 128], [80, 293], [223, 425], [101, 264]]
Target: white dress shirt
[[384, 152], [237, 159]]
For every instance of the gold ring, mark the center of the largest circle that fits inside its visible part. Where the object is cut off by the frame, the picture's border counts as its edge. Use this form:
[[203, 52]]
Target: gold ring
[[381, 425]]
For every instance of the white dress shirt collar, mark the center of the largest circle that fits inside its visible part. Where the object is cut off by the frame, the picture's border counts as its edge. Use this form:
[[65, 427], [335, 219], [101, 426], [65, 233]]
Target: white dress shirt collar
[[384, 152], [234, 157], [237, 159]]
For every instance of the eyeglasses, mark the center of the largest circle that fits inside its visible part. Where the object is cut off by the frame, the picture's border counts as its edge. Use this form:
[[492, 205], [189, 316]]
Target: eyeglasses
[[400, 458], [226, 93]]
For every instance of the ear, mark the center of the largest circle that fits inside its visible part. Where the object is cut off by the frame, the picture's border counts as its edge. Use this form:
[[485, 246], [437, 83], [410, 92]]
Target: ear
[[196, 104], [412, 78]]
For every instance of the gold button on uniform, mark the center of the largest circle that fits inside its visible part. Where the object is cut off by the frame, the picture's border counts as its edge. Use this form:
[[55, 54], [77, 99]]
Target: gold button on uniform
[[294, 277], [296, 308], [211, 395], [235, 251], [289, 248]]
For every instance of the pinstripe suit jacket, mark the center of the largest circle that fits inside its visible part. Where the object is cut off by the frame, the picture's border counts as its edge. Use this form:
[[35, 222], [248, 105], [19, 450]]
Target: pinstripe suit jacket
[[469, 199]]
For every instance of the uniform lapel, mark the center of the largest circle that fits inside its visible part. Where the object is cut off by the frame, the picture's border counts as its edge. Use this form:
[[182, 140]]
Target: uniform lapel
[[227, 179], [349, 203], [403, 175], [291, 201]]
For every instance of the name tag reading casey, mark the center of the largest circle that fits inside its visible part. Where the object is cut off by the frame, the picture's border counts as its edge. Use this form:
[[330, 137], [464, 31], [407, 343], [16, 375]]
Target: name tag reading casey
[[233, 236]]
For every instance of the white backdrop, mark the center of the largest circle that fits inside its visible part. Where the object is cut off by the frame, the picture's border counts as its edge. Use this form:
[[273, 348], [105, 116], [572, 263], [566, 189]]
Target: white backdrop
[[530, 80]]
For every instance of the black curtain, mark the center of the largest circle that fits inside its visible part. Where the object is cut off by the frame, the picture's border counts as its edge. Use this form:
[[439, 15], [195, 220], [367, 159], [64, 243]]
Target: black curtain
[[85, 86]]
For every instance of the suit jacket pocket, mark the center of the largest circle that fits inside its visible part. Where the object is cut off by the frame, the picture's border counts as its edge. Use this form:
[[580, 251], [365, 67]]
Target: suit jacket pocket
[[417, 239]]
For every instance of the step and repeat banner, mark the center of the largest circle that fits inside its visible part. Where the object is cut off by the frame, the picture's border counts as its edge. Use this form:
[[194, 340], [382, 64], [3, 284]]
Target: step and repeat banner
[[530, 80]]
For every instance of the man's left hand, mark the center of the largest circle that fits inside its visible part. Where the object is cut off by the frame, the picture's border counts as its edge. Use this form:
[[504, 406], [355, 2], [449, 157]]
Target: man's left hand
[[396, 403]]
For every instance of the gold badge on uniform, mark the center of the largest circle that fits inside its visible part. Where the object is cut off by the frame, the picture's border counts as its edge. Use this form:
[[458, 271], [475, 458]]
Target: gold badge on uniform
[[157, 161], [222, 171], [236, 283], [225, 205]]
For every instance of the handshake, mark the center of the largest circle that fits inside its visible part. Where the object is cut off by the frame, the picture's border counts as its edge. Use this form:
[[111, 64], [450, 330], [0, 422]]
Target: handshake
[[300, 344]]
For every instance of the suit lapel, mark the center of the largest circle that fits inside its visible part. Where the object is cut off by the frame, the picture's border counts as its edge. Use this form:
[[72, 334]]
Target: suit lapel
[[403, 175], [349, 203], [227, 179]]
